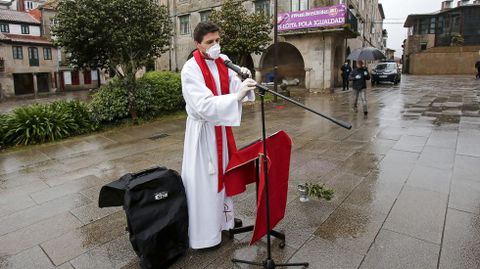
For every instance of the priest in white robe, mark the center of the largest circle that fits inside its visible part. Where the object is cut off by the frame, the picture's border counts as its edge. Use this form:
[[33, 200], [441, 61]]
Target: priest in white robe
[[213, 105]]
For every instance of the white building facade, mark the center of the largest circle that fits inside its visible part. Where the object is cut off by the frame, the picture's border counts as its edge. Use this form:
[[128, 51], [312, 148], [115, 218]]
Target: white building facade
[[312, 55]]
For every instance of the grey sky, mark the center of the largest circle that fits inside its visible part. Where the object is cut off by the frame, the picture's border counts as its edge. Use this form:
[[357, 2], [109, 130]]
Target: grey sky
[[396, 11]]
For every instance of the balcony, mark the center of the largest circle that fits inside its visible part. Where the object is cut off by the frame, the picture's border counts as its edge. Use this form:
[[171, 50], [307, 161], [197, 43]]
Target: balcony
[[351, 22]]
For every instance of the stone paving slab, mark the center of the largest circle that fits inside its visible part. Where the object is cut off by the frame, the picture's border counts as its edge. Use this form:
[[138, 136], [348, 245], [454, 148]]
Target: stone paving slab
[[32, 215], [461, 247], [407, 190], [24, 238], [394, 250], [418, 213]]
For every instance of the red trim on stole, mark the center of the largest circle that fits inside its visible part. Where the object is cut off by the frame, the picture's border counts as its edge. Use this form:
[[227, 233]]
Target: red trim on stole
[[225, 89]]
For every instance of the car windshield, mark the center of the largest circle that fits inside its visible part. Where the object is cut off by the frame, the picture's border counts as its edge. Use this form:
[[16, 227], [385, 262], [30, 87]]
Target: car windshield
[[385, 67]]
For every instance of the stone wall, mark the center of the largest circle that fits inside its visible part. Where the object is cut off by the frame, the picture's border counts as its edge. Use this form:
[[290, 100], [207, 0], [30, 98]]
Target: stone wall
[[445, 61]]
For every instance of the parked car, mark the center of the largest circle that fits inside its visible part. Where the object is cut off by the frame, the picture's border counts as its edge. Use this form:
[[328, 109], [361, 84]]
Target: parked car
[[386, 71]]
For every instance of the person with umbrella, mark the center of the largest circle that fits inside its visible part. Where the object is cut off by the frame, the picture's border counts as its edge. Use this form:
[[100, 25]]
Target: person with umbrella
[[359, 76]]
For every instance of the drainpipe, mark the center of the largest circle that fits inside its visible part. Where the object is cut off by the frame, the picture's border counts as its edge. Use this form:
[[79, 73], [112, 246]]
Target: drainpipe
[[175, 33], [169, 45]]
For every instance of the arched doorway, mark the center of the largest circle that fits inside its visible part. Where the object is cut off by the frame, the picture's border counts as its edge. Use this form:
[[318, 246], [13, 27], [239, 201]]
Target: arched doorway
[[290, 63], [249, 64]]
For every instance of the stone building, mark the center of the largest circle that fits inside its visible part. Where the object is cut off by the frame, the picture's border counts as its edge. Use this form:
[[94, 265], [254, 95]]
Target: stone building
[[21, 5], [69, 78], [443, 42], [313, 55], [28, 61]]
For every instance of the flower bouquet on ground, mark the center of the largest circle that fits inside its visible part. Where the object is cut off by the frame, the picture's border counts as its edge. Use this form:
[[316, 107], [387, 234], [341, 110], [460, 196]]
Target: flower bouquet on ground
[[315, 190]]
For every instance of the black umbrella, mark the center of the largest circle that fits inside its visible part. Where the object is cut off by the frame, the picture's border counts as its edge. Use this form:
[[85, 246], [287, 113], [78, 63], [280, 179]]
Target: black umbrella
[[367, 53]]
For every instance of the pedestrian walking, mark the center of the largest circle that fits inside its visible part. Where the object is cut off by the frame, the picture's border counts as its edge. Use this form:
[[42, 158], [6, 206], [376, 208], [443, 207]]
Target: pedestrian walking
[[359, 76], [346, 70]]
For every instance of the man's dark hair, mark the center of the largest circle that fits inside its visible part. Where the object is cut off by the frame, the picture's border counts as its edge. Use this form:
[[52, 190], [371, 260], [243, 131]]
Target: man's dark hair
[[203, 28]]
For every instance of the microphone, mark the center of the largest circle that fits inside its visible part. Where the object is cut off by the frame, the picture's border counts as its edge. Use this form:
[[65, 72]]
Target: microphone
[[236, 69]]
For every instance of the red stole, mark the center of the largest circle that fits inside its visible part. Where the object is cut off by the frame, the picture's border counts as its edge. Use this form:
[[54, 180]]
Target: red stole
[[225, 89], [241, 171]]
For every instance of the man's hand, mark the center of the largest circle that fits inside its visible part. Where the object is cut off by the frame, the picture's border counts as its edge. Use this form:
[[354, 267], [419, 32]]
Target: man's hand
[[246, 86], [246, 71]]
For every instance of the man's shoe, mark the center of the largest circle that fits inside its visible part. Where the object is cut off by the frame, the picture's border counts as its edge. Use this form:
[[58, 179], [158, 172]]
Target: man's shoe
[[237, 223]]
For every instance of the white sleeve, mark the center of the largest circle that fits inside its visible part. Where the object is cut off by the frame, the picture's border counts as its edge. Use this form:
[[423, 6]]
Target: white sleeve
[[223, 110]]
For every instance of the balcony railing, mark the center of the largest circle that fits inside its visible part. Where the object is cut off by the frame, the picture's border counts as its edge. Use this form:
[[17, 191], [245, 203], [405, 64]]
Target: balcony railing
[[352, 22]]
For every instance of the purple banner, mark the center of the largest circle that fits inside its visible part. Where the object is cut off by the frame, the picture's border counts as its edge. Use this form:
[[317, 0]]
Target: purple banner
[[313, 18]]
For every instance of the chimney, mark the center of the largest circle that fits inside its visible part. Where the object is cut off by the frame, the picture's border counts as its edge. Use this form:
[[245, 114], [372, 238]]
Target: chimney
[[447, 4]]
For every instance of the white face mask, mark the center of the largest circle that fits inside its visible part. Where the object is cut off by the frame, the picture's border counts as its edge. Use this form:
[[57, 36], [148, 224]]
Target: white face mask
[[214, 51]]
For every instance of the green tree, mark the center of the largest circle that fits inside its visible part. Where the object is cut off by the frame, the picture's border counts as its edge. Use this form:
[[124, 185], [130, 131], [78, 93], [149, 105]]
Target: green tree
[[242, 33], [119, 35]]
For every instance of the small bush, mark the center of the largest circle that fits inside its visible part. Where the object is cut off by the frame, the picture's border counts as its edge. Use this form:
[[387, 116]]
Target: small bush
[[109, 103], [79, 112], [3, 128], [47, 122], [165, 89], [155, 93], [38, 124]]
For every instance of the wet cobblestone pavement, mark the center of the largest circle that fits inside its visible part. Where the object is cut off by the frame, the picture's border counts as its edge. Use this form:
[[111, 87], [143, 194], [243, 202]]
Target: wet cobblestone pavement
[[406, 180]]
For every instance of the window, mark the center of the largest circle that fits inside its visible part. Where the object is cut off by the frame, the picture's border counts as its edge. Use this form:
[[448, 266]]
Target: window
[[25, 29], [263, 6], [423, 46], [204, 15], [184, 24], [28, 5], [4, 28], [455, 26], [53, 21], [47, 53], [75, 78], [423, 27], [33, 56], [298, 5], [372, 26], [2, 65], [440, 25], [17, 52], [432, 26]]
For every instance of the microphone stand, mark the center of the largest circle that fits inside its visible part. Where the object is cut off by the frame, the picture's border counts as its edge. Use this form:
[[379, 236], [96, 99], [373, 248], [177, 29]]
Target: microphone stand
[[269, 263]]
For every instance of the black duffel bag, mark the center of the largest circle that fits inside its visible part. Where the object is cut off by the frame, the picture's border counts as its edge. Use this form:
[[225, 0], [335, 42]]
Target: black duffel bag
[[155, 203]]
